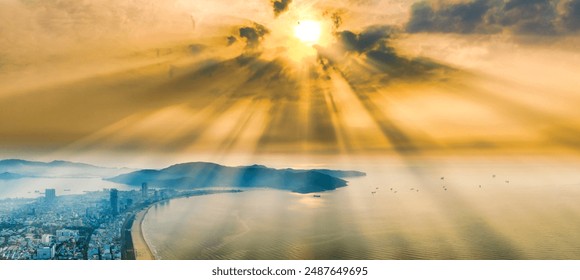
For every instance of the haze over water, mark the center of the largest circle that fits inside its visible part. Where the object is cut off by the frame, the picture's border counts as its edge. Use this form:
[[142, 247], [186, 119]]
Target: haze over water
[[525, 209], [35, 187]]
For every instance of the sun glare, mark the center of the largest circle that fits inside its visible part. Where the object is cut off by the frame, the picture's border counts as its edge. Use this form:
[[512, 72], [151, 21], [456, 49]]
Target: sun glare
[[308, 31]]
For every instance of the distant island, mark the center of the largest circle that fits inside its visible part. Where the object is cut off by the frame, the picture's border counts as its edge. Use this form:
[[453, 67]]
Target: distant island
[[10, 176], [205, 174], [11, 169]]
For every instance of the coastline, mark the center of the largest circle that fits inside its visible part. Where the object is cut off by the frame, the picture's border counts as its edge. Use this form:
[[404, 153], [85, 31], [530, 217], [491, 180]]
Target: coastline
[[140, 246], [140, 249]]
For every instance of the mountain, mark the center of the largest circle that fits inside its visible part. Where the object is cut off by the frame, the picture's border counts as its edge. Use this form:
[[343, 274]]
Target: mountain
[[204, 174], [57, 168]]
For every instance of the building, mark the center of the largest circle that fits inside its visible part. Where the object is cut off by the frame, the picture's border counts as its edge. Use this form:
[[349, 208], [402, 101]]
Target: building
[[50, 196], [144, 191], [129, 202], [45, 253], [66, 235], [114, 199], [47, 239]]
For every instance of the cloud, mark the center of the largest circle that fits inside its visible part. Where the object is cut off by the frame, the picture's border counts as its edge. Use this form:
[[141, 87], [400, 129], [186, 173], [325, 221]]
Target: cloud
[[518, 17], [280, 6], [231, 40], [253, 34], [571, 17], [373, 45], [365, 40], [336, 20], [36, 31], [336, 17], [367, 61], [535, 17], [448, 17]]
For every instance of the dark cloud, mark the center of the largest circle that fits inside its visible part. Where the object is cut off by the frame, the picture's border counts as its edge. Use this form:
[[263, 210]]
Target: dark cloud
[[253, 34], [335, 16], [468, 17], [231, 40], [519, 17], [529, 17], [336, 20], [365, 40], [571, 17], [280, 6], [373, 45]]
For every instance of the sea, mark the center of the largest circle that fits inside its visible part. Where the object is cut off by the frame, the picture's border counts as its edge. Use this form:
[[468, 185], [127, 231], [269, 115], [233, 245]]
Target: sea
[[35, 187], [435, 209]]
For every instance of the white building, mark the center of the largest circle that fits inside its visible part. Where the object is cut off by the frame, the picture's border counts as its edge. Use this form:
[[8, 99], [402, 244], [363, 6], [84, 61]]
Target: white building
[[47, 239]]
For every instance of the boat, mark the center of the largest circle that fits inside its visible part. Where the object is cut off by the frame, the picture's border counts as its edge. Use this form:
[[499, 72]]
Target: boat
[[316, 195]]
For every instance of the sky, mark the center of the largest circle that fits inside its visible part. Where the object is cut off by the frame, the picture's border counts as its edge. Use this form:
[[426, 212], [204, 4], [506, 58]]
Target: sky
[[84, 79]]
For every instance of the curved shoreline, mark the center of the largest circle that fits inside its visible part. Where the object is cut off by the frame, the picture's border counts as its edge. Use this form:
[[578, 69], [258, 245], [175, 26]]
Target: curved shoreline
[[140, 246], [141, 249]]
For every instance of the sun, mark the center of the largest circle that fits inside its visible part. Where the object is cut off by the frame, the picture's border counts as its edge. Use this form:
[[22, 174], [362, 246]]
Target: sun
[[308, 31]]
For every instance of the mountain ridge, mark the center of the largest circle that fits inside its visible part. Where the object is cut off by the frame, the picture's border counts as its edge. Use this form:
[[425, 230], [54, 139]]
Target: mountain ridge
[[57, 168], [207, 174]]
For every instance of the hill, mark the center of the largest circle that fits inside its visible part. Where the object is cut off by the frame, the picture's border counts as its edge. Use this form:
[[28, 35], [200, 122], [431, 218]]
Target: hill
[[9, 176], [55, 169], [205, 174]]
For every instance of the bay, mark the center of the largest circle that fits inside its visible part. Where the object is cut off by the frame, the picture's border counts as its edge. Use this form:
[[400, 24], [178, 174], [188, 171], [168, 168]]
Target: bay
[[428, 209]]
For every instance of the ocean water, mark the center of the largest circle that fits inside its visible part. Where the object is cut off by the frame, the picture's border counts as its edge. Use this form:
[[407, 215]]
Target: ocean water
[[35, 187], [438, 209]]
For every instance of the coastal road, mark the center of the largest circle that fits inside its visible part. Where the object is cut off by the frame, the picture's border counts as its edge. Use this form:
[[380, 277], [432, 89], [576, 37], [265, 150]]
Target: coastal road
[[127, 250]]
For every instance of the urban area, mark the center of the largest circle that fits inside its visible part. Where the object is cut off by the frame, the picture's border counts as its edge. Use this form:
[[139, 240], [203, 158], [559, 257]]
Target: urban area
[[91, 226]]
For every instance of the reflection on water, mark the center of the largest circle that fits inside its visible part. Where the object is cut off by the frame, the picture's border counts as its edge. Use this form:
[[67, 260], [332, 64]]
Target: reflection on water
[[451, 210]]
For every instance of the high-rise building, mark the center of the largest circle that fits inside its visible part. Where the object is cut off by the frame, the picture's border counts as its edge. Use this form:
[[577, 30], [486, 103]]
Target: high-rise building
[[114, 201], [46, 239], [144, 190], [50, 196], [45, 252]]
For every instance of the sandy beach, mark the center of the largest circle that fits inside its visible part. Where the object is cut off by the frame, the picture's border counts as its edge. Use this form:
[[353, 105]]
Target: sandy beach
[[142, 251], [140, 246]]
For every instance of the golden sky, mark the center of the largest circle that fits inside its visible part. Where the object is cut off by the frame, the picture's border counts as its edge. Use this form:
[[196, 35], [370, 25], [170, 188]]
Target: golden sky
[[288, 77]]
